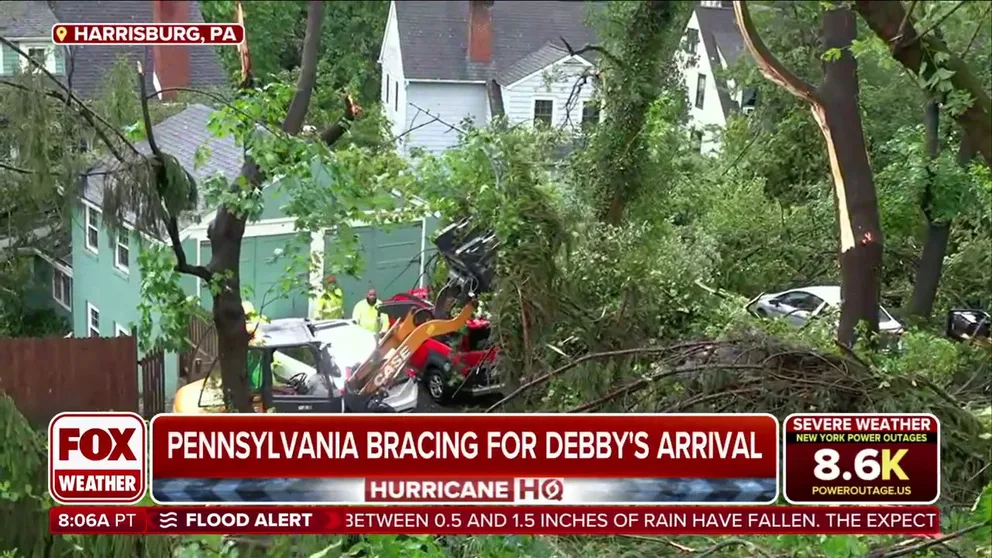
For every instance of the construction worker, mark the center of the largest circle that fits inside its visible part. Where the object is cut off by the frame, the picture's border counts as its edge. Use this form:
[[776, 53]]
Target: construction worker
[[366, 313], [252, 320], [252, 317], [330, 305]]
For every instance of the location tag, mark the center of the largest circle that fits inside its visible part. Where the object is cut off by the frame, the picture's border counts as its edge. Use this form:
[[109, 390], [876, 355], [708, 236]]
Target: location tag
[[61, 32]]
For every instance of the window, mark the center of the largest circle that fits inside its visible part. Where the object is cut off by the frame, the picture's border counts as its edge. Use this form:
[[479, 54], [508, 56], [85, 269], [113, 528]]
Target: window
[[691, 40], [396, 95], [43, 54], [543, 111], [700, 90], [800, 301], [92, 230], [121, 331], [93, 320], [387, 89], [749, 98], [697, 140], [590, 114], [62, 288], [122, 256]]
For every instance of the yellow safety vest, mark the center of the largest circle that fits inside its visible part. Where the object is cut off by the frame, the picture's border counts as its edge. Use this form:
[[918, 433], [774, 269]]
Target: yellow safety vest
[[330, 305], [368, 316]]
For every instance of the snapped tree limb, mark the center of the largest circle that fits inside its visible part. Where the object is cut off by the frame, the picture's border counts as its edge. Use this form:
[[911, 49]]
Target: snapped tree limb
[[915, 51]]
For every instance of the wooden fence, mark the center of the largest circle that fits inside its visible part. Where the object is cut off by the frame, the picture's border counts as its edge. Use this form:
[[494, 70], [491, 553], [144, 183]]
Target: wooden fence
[[201, 337], [152, 384], [48, 376]]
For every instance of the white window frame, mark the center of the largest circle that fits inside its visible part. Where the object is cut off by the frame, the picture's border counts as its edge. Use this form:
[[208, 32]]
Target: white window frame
[[533, 109], [88, 218], [58, 288], [700, 101], [49, 55], [582, 111], [121, 331], [89, 320], [122, 266]]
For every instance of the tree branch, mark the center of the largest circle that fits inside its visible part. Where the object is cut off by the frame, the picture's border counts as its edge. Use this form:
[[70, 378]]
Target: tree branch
[[928, 29], [591, 48], [976, 121], [157, 160], [86, 114], [247, 77], [767, 62], [308, 70], [333, 133], [84, 110], [905, 20], [933, 542]]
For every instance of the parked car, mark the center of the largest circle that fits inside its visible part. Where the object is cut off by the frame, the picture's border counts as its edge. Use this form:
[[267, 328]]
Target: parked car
[[798, 306], [969, 325]]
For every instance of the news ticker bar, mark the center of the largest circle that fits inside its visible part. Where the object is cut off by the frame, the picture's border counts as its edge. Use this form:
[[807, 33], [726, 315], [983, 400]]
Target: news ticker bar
[[503, 520], [448, 491], [863, 459]]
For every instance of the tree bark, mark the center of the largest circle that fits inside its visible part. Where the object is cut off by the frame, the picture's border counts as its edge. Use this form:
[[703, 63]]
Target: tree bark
[[228, 229], [835, 107], [891, 23], [631, 87], [858, 217], [935, 245]]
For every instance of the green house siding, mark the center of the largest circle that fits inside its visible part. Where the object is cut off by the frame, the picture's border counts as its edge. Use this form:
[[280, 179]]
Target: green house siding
[[39, 292], [59, 61], [116, 294], [390, 258], [274, 199], [267, 278], [9, 60]]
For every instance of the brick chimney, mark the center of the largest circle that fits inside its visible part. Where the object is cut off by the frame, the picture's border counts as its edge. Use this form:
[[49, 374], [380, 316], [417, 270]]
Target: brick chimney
[[480, 31], [171, 63]]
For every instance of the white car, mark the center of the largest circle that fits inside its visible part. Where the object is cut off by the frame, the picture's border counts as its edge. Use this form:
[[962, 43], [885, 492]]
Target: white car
[[798, 306]]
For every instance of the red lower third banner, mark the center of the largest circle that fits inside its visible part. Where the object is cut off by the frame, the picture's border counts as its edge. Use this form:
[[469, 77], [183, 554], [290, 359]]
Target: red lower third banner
[[581, 459], [497, 520]]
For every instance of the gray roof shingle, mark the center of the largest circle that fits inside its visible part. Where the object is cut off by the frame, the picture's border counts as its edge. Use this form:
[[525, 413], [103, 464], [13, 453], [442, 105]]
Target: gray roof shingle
[[533, 62], [23, 20], [721, 36], [180, 136], [91, 63], [434, 35]]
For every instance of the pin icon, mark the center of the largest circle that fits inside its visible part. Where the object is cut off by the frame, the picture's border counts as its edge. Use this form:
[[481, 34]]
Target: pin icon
[[61, 32]]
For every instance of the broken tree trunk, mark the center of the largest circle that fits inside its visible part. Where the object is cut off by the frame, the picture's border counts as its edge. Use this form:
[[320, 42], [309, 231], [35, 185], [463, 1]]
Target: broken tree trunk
[[227, 230], [935, 245], [918, 54], [835, 107]]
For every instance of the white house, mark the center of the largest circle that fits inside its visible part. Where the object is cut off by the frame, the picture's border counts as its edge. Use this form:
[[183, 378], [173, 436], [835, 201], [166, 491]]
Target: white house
[[711, 43], [447, 61]]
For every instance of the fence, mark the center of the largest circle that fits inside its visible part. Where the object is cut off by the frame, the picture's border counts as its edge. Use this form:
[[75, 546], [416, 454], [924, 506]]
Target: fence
[[47, 376], [201, 337], [152, 384]]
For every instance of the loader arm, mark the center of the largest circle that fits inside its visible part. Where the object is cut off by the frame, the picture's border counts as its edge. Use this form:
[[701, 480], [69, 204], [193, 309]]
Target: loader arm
[[398, 345], [469, 255]]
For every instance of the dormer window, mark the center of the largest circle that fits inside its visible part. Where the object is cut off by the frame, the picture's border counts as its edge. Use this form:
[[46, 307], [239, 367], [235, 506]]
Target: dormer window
[[691, 40]]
